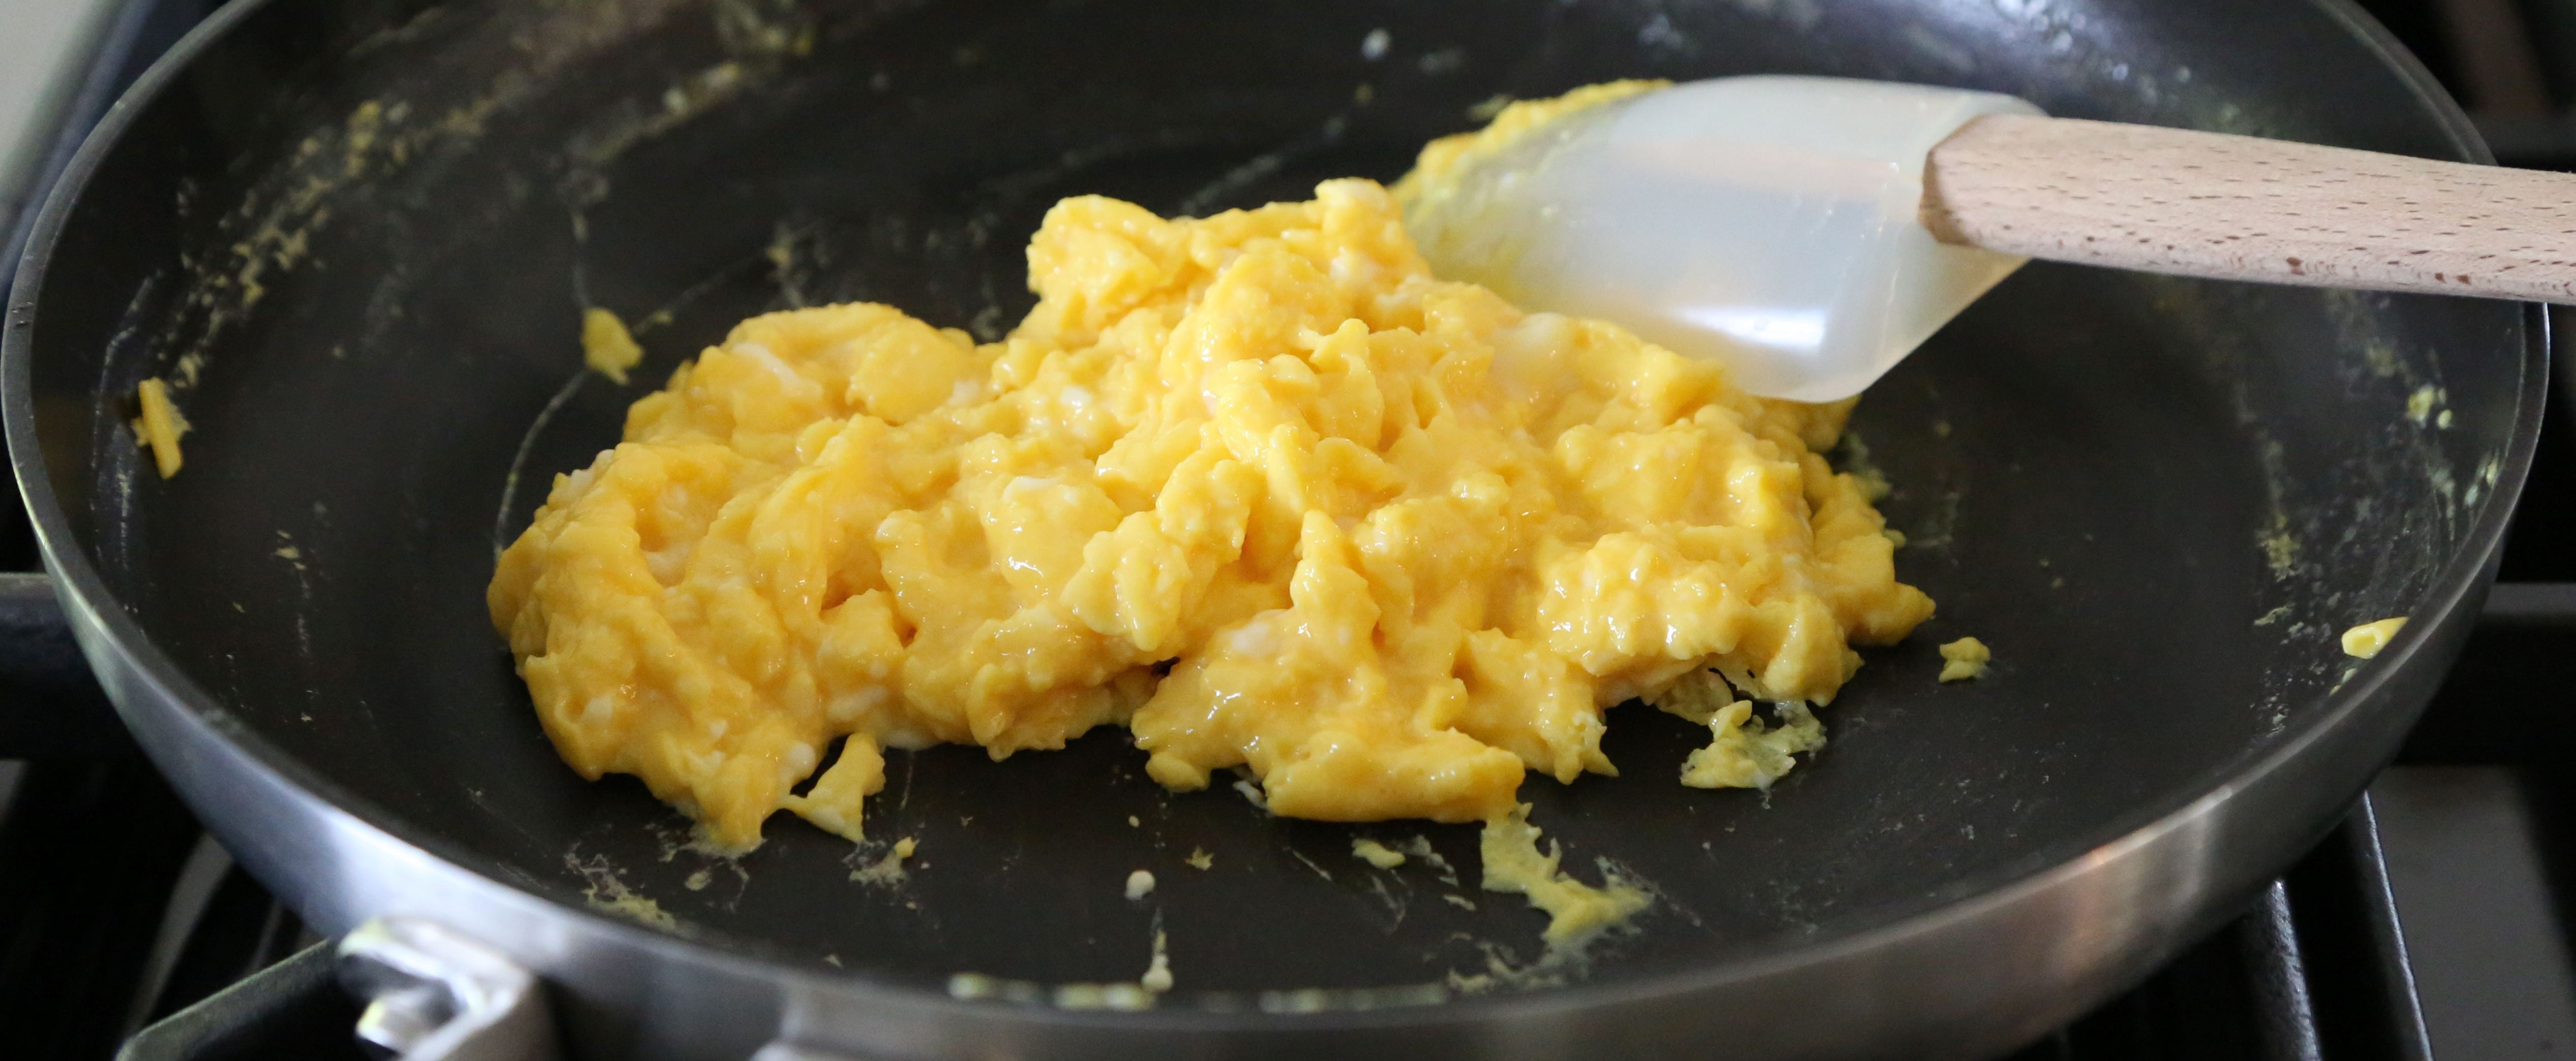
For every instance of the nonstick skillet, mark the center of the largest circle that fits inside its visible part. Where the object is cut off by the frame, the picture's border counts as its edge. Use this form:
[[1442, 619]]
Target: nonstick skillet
[[360, 234]]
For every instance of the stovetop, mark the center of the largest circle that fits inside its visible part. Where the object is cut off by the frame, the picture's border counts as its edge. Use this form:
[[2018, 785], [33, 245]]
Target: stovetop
[[2433, 923]]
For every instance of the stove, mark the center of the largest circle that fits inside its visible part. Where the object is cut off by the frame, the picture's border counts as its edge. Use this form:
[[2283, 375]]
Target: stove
[[2432, 923]]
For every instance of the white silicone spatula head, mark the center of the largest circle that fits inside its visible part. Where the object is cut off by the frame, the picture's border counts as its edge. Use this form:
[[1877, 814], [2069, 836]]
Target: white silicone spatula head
[[1769, 223]]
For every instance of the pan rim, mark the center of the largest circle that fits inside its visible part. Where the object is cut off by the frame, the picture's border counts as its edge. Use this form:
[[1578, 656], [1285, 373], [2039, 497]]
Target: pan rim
[[85, 593]]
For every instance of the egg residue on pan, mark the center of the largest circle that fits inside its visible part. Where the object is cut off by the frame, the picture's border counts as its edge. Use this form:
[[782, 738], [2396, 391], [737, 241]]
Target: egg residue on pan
[[1256, 486]]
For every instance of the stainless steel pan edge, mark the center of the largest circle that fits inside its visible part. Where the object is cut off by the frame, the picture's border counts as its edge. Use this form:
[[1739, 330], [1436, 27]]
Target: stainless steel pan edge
[[1978, 975]]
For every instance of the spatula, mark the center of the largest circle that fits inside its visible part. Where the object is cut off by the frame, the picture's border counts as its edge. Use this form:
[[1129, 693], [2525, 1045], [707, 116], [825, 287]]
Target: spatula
[[1811, 232]]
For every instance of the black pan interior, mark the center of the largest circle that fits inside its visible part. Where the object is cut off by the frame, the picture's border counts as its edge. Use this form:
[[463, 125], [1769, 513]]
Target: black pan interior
[[371, 228]]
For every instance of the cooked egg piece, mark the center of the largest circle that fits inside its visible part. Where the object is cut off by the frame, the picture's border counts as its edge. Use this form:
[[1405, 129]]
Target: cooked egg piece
[[1158, 974], [1964, 659], [2365, 641], [606, 346], [1743, 750], [1376, 854], [160, 425]]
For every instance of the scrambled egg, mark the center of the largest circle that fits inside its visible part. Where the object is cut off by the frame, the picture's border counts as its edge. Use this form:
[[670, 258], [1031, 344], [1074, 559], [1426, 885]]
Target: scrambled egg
[[606, 346], [1964, 659], [160, 426], [1256, 486], [2365, 641]]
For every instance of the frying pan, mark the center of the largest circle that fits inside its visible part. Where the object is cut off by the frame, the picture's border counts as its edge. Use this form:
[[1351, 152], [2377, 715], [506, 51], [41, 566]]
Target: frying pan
[[361, 232]]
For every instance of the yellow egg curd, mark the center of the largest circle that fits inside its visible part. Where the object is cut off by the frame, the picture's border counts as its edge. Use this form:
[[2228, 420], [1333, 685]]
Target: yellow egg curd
[[1256, 486]]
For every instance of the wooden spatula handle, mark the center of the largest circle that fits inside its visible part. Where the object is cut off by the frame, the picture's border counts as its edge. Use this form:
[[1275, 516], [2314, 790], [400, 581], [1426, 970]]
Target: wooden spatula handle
[[2240, 208]]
